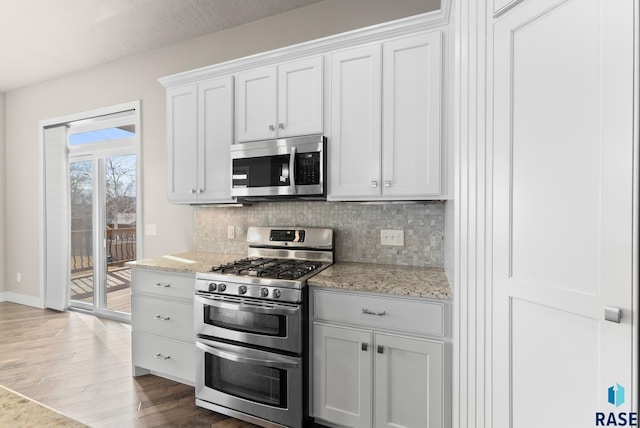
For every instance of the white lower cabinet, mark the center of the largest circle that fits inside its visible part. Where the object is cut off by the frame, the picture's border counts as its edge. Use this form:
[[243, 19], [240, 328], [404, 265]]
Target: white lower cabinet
[[369, 376], [342, 376], [409, 382], [162, 339]]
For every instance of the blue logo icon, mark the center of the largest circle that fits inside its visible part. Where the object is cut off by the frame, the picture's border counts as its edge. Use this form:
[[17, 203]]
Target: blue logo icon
[[616, 395]]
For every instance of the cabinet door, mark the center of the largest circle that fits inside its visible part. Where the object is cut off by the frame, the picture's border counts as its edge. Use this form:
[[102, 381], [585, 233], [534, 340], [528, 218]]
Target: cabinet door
[[342, 374], [355, 123], [215, 116], [411, 122], [182, 136], [300, 93], [256, 114], [409, 382]]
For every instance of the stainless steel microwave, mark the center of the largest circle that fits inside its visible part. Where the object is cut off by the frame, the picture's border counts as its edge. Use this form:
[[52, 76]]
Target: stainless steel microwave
[[286, 167]]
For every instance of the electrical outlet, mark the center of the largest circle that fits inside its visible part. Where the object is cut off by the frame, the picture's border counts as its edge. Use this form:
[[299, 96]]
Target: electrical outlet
[[231, 232], [150, 230], [18, 277], [392, 237]]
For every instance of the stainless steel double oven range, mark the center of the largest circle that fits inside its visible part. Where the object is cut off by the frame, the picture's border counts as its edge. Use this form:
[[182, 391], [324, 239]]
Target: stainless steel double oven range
[[251, 325]]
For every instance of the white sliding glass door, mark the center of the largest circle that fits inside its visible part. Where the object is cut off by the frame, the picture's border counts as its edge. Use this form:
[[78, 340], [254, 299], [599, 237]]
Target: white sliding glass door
[[103, 213]]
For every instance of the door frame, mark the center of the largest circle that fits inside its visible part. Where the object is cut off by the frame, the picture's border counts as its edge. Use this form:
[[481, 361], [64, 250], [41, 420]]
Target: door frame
[[42, 124]]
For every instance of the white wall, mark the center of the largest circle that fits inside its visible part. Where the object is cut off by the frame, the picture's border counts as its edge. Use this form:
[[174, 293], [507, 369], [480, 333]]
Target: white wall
[[136, 78]]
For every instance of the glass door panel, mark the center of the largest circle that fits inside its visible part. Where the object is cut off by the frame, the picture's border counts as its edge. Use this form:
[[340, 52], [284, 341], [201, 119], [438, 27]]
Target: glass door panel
[[82, 274], [119, 230]]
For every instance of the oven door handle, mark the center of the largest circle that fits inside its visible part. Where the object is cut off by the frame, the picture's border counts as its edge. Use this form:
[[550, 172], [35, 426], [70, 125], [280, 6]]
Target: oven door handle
[[245, 307], [252, 357]]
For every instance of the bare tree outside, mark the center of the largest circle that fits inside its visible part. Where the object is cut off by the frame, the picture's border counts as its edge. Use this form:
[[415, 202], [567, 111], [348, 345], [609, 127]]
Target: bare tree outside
[[121, 190]]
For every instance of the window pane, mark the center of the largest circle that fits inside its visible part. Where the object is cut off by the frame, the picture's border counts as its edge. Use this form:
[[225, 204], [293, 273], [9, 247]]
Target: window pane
[[99, 135]]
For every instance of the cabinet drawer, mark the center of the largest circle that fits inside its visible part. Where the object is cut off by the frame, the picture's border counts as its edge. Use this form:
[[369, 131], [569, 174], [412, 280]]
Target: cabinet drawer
[[166, 356], [163, 284], [162, 317], [423, 317]]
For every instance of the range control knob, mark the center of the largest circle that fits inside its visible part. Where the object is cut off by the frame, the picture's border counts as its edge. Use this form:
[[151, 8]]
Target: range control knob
[[242, 289], [213, 286], [222, 287], [276, 293], [264, 292]]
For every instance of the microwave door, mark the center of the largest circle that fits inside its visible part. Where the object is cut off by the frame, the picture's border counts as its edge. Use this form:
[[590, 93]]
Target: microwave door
[[263, 176]]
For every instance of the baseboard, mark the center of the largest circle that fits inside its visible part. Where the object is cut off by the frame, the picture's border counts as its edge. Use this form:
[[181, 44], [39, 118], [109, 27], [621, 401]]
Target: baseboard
[[21, 299]]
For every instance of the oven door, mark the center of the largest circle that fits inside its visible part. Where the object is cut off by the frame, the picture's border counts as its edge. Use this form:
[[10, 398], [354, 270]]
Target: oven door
[[255, 322], [258, 383]]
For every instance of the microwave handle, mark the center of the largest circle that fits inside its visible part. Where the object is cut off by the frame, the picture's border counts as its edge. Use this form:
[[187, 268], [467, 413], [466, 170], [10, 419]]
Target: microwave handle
[[245, 307], [292, 167], [272, 361]]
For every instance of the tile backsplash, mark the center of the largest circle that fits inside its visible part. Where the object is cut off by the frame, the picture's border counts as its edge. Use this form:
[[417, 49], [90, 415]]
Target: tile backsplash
[[356, 228]]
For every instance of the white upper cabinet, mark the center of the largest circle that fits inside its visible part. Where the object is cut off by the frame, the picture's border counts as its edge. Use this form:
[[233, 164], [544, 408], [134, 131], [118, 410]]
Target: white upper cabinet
[[200, 134], [355, 122], [280, 101], [383, 87], [386, 120], [411, 85], [257, 97], [182, 134]]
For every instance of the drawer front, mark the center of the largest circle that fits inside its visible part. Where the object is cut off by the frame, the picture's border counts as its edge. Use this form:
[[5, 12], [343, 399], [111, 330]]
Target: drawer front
[[162, 317], [423, 317], [163, 284], [166, 356]]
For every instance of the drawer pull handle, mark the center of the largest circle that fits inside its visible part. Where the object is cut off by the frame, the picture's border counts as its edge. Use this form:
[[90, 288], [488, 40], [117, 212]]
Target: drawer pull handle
[[162, 284], [160, 317], [380, 349], [368, 312], [164, 357], [364, 346]]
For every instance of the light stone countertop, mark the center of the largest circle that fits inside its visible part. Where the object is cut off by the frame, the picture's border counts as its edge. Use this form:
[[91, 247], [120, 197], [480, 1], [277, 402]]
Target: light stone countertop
[[368, 277], [386, 279], [189, 262]]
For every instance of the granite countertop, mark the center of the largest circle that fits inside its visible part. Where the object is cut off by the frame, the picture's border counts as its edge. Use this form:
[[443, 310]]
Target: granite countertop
[[189, 262], [387, 279], [368, 277]]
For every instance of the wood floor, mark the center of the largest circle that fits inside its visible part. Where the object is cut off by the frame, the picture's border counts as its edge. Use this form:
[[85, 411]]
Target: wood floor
[[80, 365]]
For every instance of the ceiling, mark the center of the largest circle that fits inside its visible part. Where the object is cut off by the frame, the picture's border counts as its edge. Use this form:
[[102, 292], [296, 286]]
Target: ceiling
[[44, 39]]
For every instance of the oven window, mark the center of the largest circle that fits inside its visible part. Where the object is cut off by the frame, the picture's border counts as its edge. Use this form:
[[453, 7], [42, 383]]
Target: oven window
[[249, 322], [256, 383]]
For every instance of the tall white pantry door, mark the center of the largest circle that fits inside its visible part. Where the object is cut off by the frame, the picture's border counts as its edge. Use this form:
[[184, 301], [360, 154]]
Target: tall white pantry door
[[563, 212]]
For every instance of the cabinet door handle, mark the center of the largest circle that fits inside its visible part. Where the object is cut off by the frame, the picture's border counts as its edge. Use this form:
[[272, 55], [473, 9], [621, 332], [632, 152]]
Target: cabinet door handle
[[198, 191], [380, 349], [162, 284], [612, 314], [192, 191], [272, 128], [374, 184], [281, 125], [378, 313], [364, 346], [164, 357], [387, 183], [160, 317]]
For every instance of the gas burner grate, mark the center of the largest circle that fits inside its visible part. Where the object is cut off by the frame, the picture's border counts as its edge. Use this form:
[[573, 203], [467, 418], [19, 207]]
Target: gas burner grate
[[268, 268]]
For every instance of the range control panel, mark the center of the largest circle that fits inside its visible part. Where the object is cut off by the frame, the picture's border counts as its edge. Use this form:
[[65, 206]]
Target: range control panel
[[287, 235]]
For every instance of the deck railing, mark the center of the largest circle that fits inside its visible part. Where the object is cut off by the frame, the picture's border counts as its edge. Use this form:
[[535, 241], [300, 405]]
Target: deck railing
[[120, 247]]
